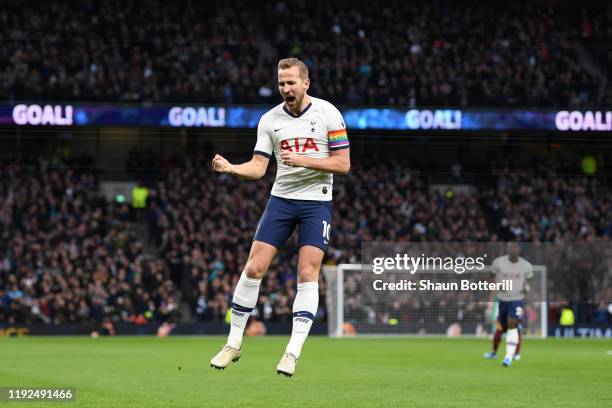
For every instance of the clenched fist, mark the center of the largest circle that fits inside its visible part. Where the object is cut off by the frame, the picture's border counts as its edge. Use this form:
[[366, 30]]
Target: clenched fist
[[291, 159], [220, 164]]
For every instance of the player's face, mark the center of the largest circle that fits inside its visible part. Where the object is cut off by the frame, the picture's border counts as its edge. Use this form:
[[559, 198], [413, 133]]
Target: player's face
[[513, 249], [292, 86]]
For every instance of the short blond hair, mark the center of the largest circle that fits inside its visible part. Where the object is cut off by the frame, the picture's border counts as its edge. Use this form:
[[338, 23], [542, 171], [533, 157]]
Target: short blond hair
[[294, 62]]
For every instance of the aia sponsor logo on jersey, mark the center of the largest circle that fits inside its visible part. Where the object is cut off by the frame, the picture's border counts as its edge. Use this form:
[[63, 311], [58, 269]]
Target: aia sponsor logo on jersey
[[512, 275], [299, 145]]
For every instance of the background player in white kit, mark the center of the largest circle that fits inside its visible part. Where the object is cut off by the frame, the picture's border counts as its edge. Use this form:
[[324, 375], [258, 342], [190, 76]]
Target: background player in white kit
[[308, 137], [511, 308]]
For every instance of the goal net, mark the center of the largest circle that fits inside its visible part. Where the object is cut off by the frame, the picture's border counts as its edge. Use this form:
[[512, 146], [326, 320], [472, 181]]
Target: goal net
[[356, 308]]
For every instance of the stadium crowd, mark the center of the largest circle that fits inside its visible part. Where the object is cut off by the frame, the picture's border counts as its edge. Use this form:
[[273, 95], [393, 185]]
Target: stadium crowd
[[68, 255], [460, 53]]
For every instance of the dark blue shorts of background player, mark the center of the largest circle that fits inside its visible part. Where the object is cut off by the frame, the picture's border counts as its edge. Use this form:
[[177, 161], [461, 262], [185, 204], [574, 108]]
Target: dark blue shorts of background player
[[511, 309], [281, 216]]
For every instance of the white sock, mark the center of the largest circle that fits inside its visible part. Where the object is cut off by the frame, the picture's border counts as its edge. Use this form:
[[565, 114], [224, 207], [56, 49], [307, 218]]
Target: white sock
[[243, 302], [304, 310], [512, 339]]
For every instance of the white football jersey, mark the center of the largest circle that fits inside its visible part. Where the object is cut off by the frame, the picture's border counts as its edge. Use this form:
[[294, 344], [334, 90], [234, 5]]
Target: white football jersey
[[315, 132], [517, 272]]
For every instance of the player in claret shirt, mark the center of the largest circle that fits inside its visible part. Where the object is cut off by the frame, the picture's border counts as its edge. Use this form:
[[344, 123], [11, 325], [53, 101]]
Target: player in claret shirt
[[308, 138]]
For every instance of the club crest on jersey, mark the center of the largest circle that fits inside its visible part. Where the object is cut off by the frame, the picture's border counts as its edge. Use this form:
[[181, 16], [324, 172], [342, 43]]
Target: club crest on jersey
[[299, 145]]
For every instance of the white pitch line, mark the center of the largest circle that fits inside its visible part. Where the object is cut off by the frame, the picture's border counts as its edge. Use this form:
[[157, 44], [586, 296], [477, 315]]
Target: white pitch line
[[610, 352]]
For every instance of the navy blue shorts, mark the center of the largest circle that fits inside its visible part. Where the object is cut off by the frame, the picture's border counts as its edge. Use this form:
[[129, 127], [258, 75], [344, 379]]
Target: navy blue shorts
[[512, 309], [282, 215]]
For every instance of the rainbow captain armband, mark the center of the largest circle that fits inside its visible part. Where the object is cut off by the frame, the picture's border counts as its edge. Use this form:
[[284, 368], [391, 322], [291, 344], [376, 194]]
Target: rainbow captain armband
[[338, 139]]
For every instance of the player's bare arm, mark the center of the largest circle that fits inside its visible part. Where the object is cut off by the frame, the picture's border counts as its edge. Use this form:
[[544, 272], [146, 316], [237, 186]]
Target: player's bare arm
[[339, 161], [251, 170]]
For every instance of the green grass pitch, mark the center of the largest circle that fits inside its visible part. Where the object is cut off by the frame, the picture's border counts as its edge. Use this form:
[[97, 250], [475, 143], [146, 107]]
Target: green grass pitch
[[396, 372]]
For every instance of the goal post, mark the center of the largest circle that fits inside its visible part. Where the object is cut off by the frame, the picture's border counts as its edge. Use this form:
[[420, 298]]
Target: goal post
[[355, 308]]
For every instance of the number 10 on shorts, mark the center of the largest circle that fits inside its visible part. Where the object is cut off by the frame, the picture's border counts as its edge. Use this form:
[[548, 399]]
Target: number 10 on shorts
[[326, 231]]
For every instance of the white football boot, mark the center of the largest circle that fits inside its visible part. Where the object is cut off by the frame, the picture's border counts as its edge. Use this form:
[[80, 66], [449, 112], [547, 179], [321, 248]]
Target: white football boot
[[226, 356], [286, 366]]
